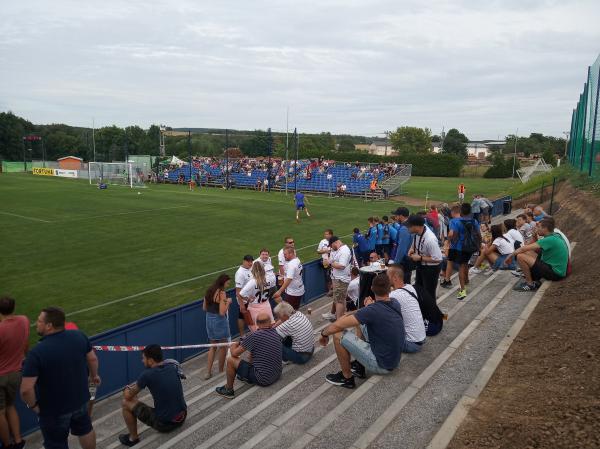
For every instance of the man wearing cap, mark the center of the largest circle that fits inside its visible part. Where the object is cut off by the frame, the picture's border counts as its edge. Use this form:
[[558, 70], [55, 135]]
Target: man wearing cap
[[340, 260], [403, 242]]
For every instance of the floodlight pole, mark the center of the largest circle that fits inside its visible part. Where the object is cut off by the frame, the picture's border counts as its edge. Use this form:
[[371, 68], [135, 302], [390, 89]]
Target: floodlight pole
[[226, 159], [296, 162], [270, 151], [24, 161], [515, 153], [126, 148], [93, 139], [189, 142], [287, 145]]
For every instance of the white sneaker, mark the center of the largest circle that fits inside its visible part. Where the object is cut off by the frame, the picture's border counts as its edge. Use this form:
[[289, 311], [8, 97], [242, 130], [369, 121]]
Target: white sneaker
[[475, 270], [517, 273], [328, 316]]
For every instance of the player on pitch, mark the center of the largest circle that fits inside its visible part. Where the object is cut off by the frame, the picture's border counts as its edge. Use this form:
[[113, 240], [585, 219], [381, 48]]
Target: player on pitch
[[461, 193], [300, 205]]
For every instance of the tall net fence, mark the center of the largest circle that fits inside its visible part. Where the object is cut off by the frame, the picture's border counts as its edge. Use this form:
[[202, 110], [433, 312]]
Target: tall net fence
[[584, 143]]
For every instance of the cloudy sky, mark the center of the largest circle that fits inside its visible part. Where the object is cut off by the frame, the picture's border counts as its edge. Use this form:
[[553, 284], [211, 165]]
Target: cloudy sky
[[362, 67]]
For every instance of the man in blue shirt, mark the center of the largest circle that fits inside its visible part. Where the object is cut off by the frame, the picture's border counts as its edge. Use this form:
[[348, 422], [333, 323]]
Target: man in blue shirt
[[56, 378], [300, 205], [163, 381], [460, 228], [403, 242], [372, 234], [381, 326], [361, 247], [379, 241]]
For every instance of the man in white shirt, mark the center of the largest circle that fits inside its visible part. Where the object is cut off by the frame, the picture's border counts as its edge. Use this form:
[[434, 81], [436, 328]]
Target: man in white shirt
[[288, 241], [265, 260], [242, 276], [323, 249], [414, 326], [340, 260], [353, 292], [293, 285], [425, 252], [297, 333]]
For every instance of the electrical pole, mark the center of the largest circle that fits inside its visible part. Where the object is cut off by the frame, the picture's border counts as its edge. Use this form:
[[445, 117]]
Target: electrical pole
[[515, 153], [190, 151], [567, 135], [270, 151]]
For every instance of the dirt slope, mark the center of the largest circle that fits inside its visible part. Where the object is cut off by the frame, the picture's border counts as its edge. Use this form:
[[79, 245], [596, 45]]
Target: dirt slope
[[546, 391]]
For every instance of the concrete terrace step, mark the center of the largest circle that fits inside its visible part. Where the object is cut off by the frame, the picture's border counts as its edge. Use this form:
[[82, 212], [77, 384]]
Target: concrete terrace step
[[302, 397]]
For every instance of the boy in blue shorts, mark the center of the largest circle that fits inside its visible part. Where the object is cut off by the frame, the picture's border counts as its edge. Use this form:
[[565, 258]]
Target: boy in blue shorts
[[300, 205]]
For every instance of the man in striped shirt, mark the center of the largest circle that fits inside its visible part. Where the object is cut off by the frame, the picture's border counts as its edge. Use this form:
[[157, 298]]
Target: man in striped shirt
[[264, 346], [297, 333]]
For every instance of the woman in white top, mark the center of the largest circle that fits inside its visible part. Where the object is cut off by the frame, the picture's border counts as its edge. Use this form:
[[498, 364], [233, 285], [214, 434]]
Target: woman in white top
[[256, 294], [512, 233], [496, 253]]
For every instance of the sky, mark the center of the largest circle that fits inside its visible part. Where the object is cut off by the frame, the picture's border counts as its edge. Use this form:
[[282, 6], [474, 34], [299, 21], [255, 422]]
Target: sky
[[362, 67]]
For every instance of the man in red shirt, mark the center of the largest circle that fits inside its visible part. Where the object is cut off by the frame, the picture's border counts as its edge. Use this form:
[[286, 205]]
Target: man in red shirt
[[14, 336]]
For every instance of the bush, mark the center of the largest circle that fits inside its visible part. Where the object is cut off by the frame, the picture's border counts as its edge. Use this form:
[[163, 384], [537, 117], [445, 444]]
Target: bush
[[502, 168]]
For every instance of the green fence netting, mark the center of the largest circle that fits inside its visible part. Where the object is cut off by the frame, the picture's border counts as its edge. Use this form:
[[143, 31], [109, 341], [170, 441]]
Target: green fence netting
[[584, 145]]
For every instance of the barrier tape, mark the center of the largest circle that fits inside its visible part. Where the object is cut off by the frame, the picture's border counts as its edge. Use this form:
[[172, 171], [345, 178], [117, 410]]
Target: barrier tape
[[141, 348]]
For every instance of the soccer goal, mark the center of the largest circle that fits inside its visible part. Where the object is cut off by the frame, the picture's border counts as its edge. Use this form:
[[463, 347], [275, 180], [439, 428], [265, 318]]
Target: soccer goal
[[115, 173], [540, 166]]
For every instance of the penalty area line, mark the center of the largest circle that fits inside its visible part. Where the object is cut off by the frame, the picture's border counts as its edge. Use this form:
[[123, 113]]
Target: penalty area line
[[25, 217]]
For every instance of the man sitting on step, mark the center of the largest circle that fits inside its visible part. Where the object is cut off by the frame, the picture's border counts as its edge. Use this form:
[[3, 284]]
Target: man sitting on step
[[296, 330], [381, 325], [545, 259], [264, 368], [164, 382]]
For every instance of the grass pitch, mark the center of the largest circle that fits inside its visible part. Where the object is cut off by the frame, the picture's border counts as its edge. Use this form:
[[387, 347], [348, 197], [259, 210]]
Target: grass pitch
[[108, 257]]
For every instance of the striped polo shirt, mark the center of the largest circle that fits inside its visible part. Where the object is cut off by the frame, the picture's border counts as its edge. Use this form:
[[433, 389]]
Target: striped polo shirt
[[266, 349], [299, 327]]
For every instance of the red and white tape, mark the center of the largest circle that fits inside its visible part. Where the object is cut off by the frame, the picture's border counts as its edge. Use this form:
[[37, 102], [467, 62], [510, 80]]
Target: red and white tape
[[141, 348]]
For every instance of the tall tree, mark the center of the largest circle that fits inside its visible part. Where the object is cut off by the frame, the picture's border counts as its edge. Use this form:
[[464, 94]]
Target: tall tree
[[456, 143], [410, 139]]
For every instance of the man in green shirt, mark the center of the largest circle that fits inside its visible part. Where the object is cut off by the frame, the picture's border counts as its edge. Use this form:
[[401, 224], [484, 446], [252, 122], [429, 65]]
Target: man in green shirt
[[545, 259]]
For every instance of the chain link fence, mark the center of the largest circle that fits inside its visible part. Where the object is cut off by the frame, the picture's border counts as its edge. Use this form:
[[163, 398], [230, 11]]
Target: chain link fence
[[584, 145]]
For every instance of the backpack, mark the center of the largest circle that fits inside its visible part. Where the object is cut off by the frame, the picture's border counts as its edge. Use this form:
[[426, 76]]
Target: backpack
[[472, 242], [429, 308], [386, 232]]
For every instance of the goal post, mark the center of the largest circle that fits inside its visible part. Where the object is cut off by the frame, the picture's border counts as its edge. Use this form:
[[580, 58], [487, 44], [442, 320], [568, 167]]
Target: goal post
[[115, 173]]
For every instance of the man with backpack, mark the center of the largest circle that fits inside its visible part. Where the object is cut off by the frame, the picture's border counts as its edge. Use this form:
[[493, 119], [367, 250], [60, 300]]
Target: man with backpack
[[465, 239], [385, 239]]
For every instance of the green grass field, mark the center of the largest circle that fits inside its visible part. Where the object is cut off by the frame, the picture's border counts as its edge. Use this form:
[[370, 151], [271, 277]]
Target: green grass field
[[69, 244], [445, 189]]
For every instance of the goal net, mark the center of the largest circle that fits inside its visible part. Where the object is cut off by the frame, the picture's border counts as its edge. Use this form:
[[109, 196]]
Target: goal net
[[116, 173]]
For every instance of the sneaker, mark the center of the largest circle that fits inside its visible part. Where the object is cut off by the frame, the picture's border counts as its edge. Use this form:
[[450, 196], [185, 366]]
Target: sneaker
[[525, 287], [339, 379], [475, 270], [358, 369], [19, 445], [125, 441], [225, 392], [517, 273], [462, 294], [329, 316], [446, 283]]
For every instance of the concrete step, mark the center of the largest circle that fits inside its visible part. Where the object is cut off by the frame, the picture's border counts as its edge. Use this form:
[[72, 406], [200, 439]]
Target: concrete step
[[251, 413]]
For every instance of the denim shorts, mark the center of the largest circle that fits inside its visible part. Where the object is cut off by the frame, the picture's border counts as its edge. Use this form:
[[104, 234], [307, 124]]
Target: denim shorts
[[217, 327], [361, 350], [55, 429], [299, 358], [245, 372]]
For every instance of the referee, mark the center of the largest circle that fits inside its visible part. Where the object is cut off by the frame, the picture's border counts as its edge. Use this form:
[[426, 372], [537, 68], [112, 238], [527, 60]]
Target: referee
[[425, 252]]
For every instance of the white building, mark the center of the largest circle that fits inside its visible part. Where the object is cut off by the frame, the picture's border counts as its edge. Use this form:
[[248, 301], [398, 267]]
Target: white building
[[479, 149], [379, 148]]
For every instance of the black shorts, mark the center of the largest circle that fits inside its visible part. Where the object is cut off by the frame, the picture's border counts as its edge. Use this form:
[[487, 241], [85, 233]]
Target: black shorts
[[147, 415], [541, 270], [245, 372], [459, 257]]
